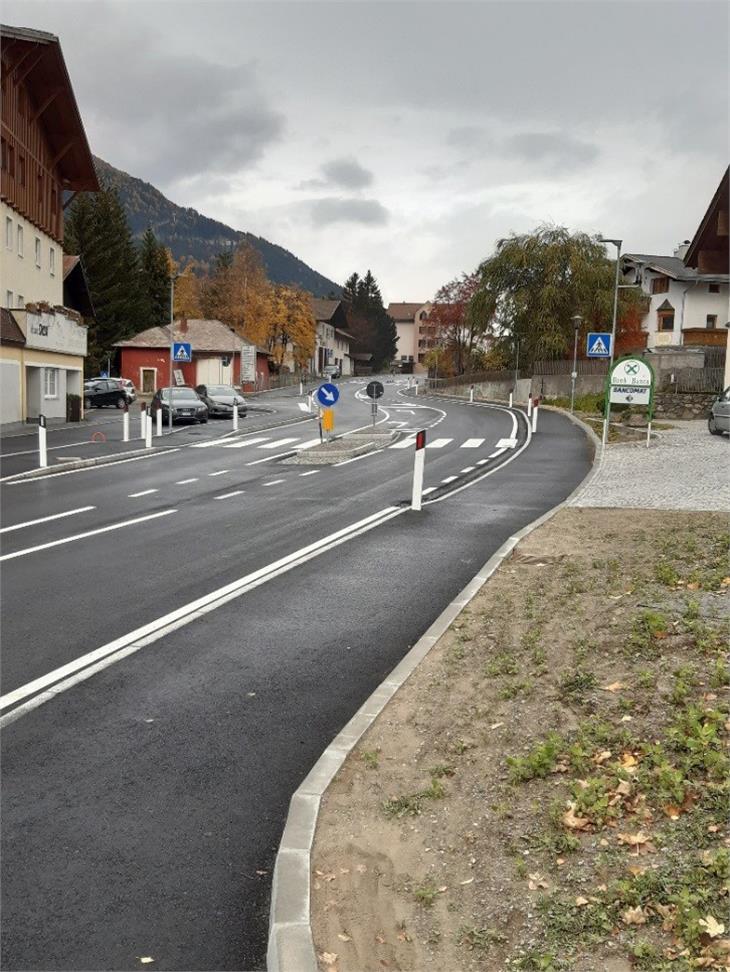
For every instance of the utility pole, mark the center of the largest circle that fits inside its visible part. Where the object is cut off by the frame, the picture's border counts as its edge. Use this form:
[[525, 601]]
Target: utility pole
[[607, 409], [577, 321], [172, 342]]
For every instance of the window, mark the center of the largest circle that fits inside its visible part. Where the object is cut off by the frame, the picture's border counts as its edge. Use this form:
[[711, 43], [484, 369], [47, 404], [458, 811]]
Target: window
[[8, 232], [50, 383], [9, 298], [37, 251], [660, 285], [21, 301], [666, 320], [52, 261], [714, 288], [711, 321], [20, 241]]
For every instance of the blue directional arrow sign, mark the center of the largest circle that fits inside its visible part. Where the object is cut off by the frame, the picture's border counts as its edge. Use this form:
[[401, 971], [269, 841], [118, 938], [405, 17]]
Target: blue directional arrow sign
[[182, 352], [599, 344], [328, 394]]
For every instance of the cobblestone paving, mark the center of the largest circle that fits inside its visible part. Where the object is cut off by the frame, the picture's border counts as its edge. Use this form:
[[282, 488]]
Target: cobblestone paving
[[686, 468]]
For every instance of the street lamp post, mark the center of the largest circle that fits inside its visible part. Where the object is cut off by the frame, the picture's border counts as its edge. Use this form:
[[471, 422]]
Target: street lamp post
[[173, 278], [577, 321], [607, 408]]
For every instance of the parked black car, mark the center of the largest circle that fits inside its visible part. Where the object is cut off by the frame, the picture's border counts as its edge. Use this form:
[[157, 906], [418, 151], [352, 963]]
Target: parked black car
[[220, 400], [105, 391], [187, 406]]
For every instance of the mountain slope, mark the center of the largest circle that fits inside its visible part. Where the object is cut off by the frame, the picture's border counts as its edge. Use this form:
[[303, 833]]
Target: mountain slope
[[192, 236]]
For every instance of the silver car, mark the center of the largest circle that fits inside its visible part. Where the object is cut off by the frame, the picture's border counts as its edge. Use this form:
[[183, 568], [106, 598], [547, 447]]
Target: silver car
[[719, 420]]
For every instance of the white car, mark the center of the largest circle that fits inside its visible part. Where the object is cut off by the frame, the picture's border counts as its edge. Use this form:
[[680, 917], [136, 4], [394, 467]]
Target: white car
[[719, 420]]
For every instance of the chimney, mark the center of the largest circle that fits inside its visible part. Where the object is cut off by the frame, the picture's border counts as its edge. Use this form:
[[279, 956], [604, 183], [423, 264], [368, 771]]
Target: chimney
[[184, 326], [682, 249]]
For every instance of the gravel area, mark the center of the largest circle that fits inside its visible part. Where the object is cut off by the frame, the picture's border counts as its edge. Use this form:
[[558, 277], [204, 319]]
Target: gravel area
[[685, 468]]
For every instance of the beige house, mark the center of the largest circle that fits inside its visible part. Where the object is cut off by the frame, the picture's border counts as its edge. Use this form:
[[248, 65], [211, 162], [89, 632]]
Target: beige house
[[414, 336]]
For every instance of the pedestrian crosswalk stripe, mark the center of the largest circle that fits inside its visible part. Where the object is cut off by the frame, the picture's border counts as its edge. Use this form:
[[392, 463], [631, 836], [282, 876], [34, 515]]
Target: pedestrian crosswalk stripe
[[472, 443], [438, 443], [278, 442], [211, 442], [309, 444], [245, 442], [402, 444]]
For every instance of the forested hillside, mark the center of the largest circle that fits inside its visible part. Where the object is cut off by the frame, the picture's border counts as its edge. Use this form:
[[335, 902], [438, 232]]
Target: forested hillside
[[193, 237]]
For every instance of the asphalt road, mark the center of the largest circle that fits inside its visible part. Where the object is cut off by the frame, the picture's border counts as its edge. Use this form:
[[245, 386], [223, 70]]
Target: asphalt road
[[142, 806]]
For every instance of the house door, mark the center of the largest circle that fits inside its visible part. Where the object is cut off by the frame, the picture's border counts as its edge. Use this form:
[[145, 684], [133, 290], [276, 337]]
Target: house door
[[148, 378]]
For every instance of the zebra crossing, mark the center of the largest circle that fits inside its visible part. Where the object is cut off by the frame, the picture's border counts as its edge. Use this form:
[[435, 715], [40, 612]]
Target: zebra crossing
[[272, 444]]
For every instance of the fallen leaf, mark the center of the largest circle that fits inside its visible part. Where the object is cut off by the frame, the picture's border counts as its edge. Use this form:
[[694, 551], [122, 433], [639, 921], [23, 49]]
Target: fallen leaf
[[560, 861], [581, 901], [628, 760], [603, 842], [693, 586], [380, 940], [602, 756], [404, 937], [634, 916], [574, 823], [329, 958], [725, 582], [344, 938], [633, 840], [627, 718], [614, 687], [624, 788], [637, 870], [672, 812], [444, 888], [712, 926], [536, 881], [712, 829]]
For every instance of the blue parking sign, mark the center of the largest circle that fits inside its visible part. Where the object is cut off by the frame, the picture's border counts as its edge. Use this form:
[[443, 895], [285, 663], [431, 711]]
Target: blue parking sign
[[598, 344]]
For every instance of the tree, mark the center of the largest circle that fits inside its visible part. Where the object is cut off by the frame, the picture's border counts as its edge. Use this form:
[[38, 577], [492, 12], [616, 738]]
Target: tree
[[97, 230], [155, 273], [458, 325], [188, 294], [239, 293], [537, 282], [373, 329], [292, 327]]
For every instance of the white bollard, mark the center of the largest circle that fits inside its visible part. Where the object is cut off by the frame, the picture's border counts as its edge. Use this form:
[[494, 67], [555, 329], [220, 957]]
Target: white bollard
[[159, 421], [419, 462], [148, 432], [301, 388], [534, 418], [471, 393], [42, 451], [142, 421], [309, 403], [529, 405], [510, 399], [125, 424], [648, 434], [415, 388], [235, 416]]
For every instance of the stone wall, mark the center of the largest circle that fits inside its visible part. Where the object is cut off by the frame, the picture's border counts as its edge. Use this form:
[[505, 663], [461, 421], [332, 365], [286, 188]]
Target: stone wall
[[694, 405]]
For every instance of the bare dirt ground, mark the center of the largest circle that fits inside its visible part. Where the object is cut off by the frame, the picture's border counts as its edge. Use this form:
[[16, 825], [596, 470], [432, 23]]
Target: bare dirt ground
[[549, 789]]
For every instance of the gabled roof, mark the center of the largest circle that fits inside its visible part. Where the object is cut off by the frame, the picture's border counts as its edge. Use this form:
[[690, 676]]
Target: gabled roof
[[10, 333], [404, 311], [76, 290], [324, 310], [37, 56], [707, 236], [673, 267], [344, 334], [203, 335]]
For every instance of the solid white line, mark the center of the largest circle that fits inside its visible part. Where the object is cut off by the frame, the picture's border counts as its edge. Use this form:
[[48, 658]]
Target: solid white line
[[221, 472], [87, 665], [357, 458], [144, 492], [184, 482], [274, 482], [279, 455], [312, 472], [102, 465], [30, 452], [246, 442], [449, 479], [89, 533], [45, 519], [471, 444], [278, 442], [469, 469], [438, 443], [236, 492]]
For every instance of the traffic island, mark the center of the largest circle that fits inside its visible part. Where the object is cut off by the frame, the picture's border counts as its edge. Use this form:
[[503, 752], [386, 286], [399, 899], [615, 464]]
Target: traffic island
[[350, 446]]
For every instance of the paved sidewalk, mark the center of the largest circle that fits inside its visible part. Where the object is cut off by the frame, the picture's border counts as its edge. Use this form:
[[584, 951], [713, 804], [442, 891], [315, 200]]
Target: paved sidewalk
[[685, 468]]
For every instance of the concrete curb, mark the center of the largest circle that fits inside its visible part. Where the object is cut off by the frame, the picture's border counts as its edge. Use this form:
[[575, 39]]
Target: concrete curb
[[291, 947]]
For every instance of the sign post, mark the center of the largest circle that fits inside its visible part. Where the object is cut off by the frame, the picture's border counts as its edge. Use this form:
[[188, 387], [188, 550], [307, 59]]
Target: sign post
[[630, 382], [327, 395], [42, 450], [419, 461], [374, 391], [180, 353]]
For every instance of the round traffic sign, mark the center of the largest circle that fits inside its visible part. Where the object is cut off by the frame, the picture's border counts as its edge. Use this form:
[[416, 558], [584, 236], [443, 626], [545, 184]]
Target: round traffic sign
[[374, 390], [327, 394]]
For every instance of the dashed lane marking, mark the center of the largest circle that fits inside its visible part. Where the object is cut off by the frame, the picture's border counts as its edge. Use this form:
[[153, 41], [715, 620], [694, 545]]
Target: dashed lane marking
[[472, 443], [221, 472], [184, 482], [308, 444], [235, 492], [144, 492], [312, 472], [430, 489], [449, 479], [469, 469], [273, 482]]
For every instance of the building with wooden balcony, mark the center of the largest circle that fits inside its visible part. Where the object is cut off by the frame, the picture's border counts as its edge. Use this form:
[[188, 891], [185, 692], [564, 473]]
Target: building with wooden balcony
[[45, 159]]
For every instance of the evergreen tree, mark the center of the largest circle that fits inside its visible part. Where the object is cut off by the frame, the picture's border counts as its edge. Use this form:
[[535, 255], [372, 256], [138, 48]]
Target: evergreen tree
[[154, 278], [374, 330], [97, 230]]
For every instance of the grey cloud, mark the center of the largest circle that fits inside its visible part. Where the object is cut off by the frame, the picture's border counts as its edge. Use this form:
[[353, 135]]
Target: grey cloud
[[550, 150], [339, 210], [468, 136], [345, 173]]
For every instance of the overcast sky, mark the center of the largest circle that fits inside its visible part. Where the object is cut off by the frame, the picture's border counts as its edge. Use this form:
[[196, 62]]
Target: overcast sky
[[408, 137]]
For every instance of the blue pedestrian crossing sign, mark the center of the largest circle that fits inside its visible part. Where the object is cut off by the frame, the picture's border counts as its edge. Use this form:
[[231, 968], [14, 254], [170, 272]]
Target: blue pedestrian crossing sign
[[327, 394], [599, 344], [182, 352]]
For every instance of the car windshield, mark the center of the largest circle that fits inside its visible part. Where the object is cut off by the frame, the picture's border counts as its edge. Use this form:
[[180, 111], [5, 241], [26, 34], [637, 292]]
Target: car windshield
[[179, 394], [220, 390]]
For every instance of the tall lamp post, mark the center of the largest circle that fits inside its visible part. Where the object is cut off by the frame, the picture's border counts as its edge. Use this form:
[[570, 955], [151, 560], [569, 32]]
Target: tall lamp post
[[577, 321], [607, 409], [173, 278]]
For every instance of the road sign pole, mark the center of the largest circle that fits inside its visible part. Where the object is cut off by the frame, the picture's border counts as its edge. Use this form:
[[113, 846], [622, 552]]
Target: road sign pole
[[125, 424], [159, 421], [42, 450], [419, 461], [172, 347], [235, 417]]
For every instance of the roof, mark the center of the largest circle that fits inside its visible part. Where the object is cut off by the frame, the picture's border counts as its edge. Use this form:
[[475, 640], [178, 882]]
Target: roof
[[204, 335], [404, 311], [76, 290], [10, 333], [345, 334], [708, 236], [39, 60], [673, 267], [69, 263], [323, 310]]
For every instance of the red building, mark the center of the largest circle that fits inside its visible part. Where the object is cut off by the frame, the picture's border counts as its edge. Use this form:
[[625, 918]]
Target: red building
[[217, 353]]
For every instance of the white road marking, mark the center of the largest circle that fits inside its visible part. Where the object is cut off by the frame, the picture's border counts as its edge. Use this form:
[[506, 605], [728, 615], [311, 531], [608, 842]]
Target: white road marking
[[45, 519], [184, 482], [312, 472], [357, 458], [469, 469], [303, 405], [65, 677], [236, 492], [144, 492], [209, 443], [430, 489], [277, 443], [507, 443], [438, 443], [246, 442], [449, 479], [104, 465], [309, 444], [482, 462], [472, 443], [88, 533], [493, 455], [279, 455], [273, 482], [403, 444], [221, 472]]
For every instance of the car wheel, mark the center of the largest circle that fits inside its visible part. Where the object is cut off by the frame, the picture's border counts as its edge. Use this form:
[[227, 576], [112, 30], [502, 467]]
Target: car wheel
[[121, 402], [87, 403], [712, 426], [203, 421]]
